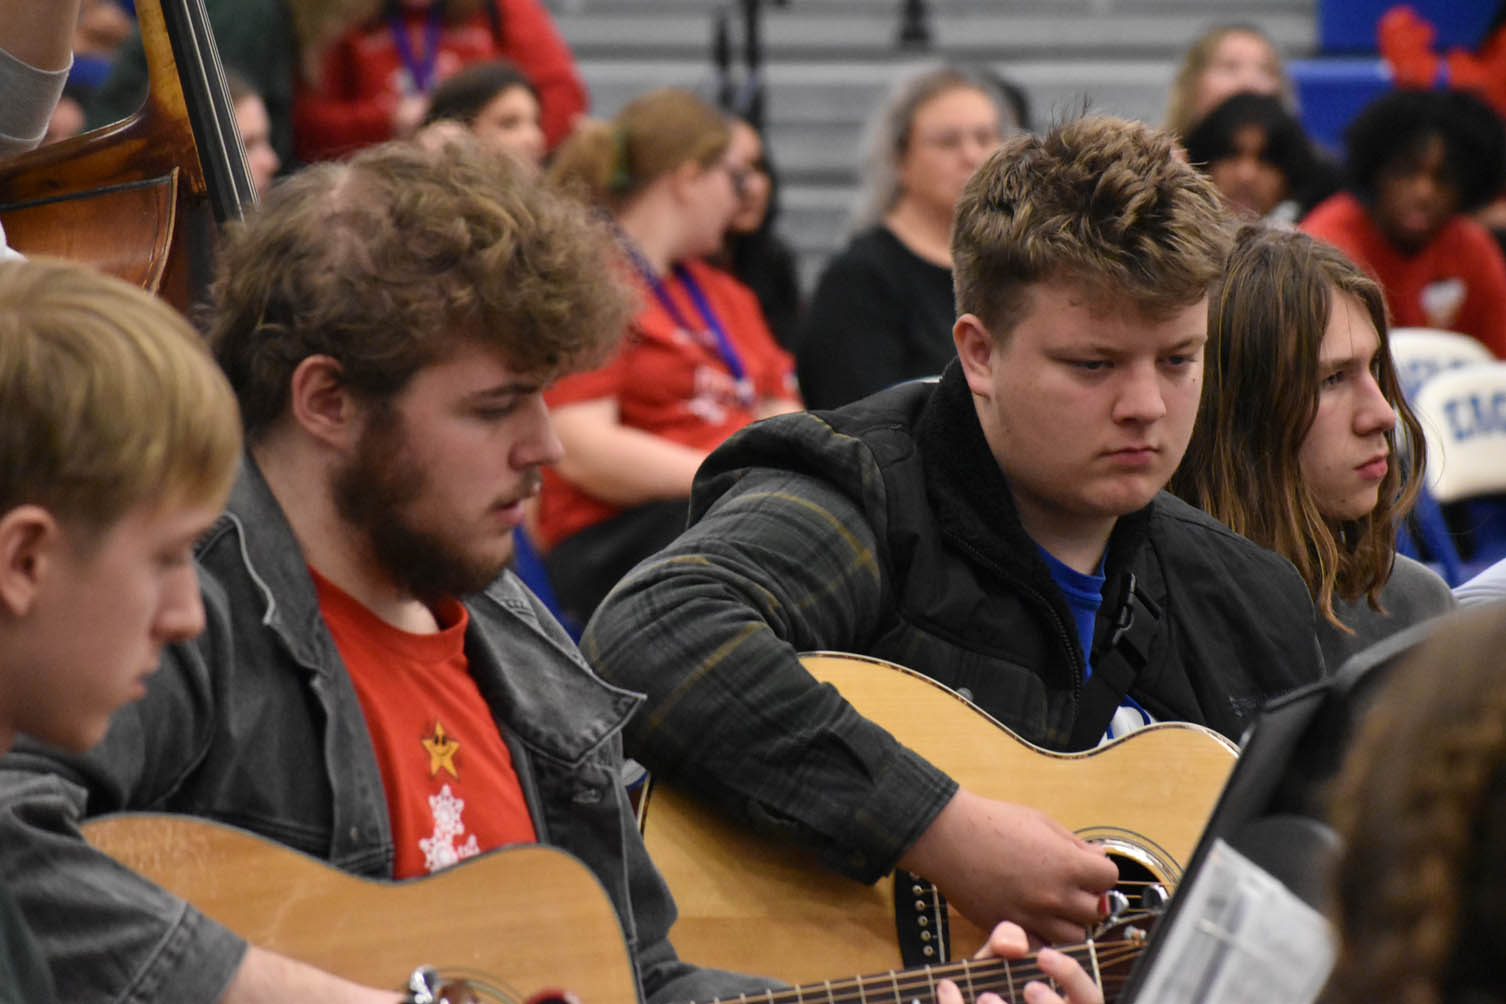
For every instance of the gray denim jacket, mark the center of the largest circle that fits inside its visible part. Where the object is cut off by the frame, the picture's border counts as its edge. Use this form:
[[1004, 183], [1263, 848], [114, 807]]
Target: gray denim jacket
[[256, 724]]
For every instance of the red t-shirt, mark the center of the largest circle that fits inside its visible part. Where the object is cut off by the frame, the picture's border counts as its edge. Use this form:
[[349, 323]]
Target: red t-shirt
[[362, 76], [673, 383], [1457, 282], [451, 788]]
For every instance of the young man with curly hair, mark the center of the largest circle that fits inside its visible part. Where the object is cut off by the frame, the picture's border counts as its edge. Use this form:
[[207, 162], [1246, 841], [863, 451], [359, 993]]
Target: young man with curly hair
[[990, 530]]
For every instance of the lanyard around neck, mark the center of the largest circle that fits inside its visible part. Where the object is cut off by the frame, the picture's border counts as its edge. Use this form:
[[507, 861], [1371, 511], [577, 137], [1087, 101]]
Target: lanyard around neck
[[420, 68], [711, 330]]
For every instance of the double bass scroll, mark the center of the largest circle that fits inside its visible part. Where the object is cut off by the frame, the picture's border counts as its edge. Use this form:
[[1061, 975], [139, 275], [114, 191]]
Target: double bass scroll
[[141, 198]]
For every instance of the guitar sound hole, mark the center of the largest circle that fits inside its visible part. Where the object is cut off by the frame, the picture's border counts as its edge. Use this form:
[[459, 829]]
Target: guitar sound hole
[[1142, 889]]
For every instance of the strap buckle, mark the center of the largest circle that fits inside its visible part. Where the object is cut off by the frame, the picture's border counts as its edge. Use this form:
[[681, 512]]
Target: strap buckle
[[1134, 624]]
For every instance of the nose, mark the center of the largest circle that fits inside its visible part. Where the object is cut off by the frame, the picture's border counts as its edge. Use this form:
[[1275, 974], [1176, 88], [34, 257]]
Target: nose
[[1374, 416], [181, 614], [1141, 399], [1245, 169], [533, 141], [1421, 188], [538, 445]]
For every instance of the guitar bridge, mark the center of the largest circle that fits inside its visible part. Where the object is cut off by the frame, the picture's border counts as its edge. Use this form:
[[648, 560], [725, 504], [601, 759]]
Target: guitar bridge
[[921, 928]]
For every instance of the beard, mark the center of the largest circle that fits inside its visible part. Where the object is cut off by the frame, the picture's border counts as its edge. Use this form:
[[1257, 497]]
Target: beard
[[375, 493]]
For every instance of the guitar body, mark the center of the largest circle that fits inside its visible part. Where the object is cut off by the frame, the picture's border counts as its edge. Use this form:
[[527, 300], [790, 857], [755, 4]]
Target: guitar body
[[755, 905], [532, 917]]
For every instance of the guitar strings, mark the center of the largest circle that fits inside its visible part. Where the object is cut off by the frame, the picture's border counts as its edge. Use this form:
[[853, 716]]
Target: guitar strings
[[976, 975]]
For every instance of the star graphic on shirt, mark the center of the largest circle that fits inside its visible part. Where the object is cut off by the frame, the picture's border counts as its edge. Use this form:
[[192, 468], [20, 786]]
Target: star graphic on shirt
[[442, 750]]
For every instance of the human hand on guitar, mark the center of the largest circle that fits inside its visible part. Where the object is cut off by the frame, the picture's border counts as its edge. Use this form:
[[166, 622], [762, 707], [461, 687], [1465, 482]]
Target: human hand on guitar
[[997, 861], [1009, 941]]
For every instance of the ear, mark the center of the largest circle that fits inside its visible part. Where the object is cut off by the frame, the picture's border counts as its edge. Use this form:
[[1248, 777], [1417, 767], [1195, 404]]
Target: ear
[[29, 539], [683, 178], [321, 404], [978, 353]]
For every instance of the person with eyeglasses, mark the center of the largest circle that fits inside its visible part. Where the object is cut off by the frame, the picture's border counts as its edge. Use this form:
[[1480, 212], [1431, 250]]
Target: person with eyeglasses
[[696, 363], [882, 310], [753, 250]]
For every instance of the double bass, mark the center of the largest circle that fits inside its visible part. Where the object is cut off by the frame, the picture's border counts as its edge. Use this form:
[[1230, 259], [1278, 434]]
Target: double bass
[[142, 198]]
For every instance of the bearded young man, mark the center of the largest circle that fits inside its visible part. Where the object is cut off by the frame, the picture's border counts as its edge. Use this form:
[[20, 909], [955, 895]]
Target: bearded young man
[[991, 530]]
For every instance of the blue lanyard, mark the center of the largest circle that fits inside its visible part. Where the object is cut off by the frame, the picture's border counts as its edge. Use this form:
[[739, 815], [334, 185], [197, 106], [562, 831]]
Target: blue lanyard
[[419, 70], [712, 325]]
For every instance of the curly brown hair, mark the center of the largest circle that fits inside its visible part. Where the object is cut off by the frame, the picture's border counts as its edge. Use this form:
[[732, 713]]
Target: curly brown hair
[[1419, 894], [390, 260], [1266, 322], [1101, 203]]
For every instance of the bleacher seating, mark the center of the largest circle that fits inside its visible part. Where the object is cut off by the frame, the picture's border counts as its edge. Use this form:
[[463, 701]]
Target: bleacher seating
[[828, 62]]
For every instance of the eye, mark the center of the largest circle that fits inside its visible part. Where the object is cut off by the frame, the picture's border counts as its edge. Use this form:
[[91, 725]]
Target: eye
[[1089, 365], [1333, 379], [496, 413], [1180, 360], [175, 558]]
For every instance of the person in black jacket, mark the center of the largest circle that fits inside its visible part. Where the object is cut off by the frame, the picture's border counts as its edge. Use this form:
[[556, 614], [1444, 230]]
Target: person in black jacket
[[1003, 531], [882, 308]]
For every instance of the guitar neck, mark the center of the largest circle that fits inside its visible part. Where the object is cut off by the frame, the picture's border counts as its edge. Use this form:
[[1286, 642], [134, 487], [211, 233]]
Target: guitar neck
[[1105, 960]]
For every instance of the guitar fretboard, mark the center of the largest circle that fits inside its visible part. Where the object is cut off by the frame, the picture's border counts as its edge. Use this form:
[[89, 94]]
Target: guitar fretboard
[[1105, 960]]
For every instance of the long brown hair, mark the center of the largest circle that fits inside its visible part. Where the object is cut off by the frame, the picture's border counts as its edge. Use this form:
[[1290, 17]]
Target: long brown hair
[[1266, 321], [1420, 808]]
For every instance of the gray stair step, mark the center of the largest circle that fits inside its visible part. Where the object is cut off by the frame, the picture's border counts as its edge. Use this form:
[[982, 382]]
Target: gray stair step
[[826, 104], [657, 34]]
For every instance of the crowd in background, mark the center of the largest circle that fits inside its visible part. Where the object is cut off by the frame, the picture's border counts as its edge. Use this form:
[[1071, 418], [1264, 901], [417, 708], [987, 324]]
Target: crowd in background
[[1306, 442]]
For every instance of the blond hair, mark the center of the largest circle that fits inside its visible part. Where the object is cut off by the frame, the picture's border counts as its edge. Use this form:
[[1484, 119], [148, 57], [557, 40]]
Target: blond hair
[[1181, 110], [886, 135], [110, 399], [608, 163], [1098, 202]]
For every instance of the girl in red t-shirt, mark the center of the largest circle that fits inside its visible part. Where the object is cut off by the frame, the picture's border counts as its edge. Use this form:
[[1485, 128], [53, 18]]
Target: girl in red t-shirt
[[696, 364]]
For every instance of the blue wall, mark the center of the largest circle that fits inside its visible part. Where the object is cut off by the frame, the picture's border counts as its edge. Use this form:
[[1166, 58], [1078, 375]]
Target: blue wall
[[1348, 26]]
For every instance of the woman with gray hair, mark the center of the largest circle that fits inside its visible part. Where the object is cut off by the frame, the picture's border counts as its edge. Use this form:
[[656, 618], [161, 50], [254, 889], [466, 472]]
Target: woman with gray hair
[[882, 311]]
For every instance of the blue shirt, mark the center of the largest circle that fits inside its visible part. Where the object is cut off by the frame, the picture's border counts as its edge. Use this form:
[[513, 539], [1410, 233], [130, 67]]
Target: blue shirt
[[1084, 596]]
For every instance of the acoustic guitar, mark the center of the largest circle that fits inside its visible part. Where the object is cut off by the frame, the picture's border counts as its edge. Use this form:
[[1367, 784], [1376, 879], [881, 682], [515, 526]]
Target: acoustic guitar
[[530, 917], [753, 904], [520, 918]]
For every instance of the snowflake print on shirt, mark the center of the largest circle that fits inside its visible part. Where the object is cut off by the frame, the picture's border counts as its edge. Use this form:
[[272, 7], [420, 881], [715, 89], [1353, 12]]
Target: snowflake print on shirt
[[440, 850]]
